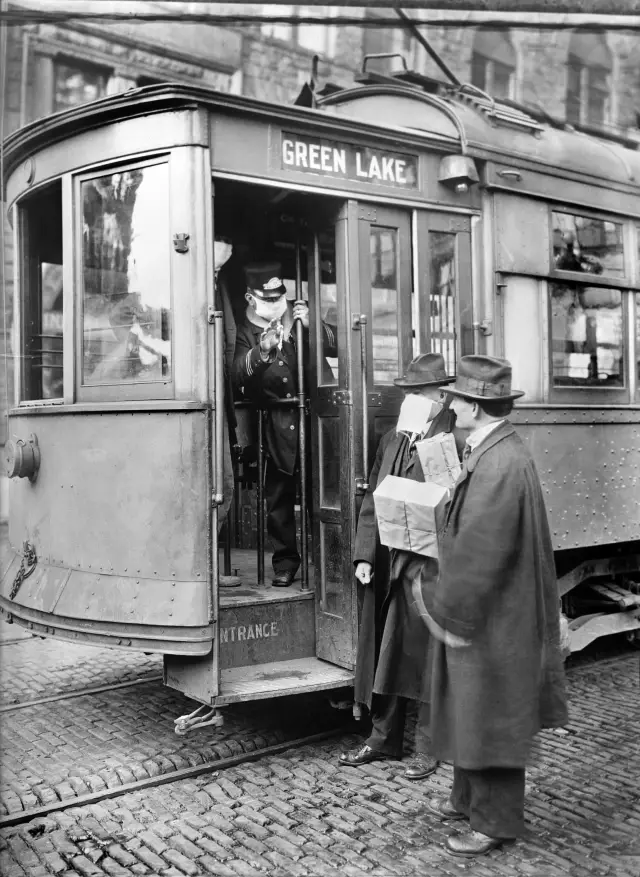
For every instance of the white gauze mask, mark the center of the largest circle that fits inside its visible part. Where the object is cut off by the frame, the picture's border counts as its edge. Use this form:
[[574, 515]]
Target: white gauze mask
[[415, 413], [270, 310]]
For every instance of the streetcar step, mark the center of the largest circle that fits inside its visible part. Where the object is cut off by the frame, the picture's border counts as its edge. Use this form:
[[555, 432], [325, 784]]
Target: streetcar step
[[280, 678]]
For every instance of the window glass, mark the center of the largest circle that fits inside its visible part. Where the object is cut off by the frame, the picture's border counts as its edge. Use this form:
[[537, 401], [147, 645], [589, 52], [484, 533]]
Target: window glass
[[384, 304], [327, 344], [41, 229], [586, 336], [126, 277], [442, 297], [501, 79], [77, 84], [479, 71], [316, 38], [586, 243], [276, 30]]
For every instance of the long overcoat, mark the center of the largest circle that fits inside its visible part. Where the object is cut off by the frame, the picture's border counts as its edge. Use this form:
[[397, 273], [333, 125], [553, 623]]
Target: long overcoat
[[268, 383], [496, 589], [405, 641]]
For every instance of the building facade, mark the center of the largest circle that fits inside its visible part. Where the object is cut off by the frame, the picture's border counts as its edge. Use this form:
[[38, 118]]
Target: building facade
[[590, 79]]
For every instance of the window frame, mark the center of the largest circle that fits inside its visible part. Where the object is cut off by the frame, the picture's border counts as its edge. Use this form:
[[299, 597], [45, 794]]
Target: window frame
[[488, 69], [628, 284], [117, 391], [23, 275], [80, 64], [578, 276], [293, 39]]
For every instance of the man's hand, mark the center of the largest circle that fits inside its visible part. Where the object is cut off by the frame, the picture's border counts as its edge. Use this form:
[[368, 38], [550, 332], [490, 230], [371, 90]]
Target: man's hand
[[301, 312], [271, 337], [363, 572]]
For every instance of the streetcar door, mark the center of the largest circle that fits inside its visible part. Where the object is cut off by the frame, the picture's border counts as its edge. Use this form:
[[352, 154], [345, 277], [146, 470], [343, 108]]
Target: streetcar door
[[332, 437], [360, 267], [383, 323]]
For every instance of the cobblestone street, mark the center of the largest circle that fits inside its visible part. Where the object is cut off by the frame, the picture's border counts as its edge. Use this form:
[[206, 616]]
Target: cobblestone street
[[294, 813]]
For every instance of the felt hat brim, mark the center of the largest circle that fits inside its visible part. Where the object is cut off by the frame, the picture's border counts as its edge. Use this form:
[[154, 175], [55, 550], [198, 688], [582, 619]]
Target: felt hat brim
[[401, 382], [475, 397]]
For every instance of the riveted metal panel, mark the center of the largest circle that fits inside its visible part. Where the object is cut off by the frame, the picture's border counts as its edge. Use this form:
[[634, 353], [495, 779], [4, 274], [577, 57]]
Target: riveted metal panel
[[120, 493], [590, 475], [522, 234]]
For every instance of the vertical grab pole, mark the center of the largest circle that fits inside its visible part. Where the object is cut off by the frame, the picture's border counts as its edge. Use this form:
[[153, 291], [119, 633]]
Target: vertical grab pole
[[362, 320], [260, 497], [302, 431], [218, 432]]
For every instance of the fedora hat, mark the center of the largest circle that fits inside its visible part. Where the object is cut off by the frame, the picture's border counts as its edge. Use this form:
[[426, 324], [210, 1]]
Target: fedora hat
[[426, 370], [264, 280], [484, 379]]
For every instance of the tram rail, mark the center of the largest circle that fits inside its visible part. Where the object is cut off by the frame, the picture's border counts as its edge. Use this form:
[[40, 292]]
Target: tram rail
[[80, 692], [577, 665], [23, 816]]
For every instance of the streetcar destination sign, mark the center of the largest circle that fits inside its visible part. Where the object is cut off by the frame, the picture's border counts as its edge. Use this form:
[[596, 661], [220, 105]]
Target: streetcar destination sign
[[348, 162]]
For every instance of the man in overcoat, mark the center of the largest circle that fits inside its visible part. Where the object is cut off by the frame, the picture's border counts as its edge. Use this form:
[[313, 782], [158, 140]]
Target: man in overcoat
[[265, 371], [496, 671], [392, 645]]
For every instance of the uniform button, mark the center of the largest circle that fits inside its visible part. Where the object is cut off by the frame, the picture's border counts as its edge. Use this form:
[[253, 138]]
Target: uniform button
[[292, 426], [288, 395], [285, 380], [280, 362]]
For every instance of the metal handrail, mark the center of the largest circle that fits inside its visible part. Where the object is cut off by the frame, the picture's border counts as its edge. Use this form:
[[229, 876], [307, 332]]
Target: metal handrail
[[362, 321]]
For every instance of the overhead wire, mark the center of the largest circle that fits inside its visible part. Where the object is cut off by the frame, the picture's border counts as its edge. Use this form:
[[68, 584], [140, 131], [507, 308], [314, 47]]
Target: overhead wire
[[20, 16]]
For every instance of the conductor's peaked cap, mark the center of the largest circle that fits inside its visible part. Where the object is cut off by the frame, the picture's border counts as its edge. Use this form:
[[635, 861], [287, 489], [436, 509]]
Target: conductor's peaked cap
[[264, 279]]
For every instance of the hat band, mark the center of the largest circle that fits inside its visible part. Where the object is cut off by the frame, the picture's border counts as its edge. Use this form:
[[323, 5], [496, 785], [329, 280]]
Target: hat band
[[482, 388], [425, 377]]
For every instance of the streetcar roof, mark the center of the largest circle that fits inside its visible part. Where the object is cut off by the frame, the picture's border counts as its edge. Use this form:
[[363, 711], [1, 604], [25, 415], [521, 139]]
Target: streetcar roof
[[462, 121]]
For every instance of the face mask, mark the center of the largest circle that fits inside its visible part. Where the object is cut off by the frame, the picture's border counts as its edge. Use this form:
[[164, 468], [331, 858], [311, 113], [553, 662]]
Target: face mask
[[221, 254], [415, 413], [270, 310]]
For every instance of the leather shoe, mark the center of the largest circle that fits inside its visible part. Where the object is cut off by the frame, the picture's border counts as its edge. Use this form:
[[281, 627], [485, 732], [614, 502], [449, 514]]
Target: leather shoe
[[356, 757], [470, 844], [443, 808], [421, 767], [283, 579]]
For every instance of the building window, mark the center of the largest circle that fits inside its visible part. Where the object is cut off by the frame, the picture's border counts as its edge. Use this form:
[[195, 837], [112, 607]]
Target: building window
[[77, 83], [493, 63], [588, 72], [316, 38]]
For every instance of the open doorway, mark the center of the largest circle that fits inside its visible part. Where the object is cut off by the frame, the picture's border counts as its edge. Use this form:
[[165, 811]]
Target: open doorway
[[297, 232]]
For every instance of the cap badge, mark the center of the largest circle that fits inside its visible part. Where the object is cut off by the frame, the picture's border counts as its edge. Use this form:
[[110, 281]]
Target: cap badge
[[274, 283]]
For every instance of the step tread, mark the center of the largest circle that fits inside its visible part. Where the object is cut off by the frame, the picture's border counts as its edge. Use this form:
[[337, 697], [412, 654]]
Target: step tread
[[279, 678]]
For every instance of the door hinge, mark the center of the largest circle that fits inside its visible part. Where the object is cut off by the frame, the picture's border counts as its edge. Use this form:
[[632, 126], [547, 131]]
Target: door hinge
[[342, 397]]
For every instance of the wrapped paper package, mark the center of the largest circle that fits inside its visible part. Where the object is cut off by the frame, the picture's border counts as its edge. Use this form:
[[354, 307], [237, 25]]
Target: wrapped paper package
[[439, 458], [410, 513]]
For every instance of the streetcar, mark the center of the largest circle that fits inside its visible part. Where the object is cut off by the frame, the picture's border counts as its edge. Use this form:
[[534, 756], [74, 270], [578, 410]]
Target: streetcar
[[412, 217]]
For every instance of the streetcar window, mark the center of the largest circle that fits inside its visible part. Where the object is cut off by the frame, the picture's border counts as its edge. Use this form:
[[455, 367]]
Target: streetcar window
[[442, 297], [126, 245], [41, 230], [587, 244], [587, 336], [384, 304], [327, 357]]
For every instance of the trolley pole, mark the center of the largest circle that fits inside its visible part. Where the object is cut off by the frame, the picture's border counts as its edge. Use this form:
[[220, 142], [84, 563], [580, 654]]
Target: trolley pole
[[302, 430]]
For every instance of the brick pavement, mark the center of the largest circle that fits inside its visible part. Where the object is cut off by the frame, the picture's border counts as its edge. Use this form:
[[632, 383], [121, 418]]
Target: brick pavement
[[31, 667], [68, 748], [299, 813]]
